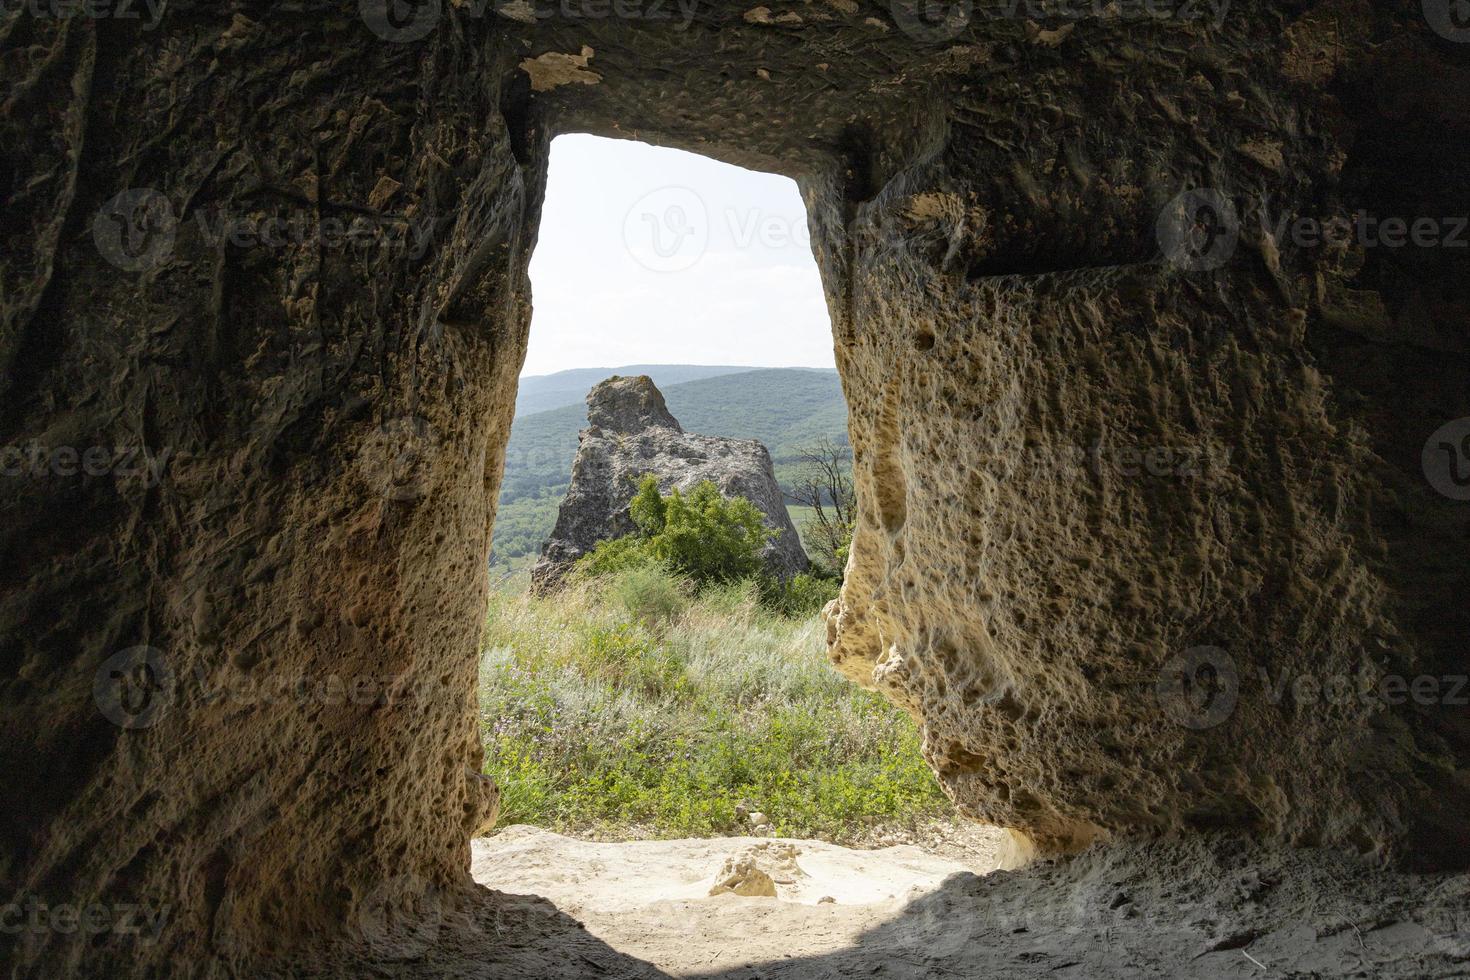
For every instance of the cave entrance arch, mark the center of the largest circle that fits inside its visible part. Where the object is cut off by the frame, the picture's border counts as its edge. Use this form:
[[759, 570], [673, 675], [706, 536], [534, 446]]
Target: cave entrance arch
[[641, 254]]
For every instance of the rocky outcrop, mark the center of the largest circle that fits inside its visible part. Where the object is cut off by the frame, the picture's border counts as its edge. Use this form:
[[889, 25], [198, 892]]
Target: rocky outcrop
[[631, 434]]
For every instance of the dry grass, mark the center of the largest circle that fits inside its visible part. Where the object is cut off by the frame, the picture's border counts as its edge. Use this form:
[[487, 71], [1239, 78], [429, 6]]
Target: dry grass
[[627, 704]]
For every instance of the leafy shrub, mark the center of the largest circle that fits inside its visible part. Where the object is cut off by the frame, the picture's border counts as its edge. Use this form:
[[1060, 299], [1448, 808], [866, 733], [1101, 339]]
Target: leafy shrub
[[703, 536], [615, 555], [803, 595], [648, 508]]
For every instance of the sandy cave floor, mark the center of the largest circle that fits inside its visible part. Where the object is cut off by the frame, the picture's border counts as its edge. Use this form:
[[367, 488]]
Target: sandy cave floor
[[553, 906], [651, 899]]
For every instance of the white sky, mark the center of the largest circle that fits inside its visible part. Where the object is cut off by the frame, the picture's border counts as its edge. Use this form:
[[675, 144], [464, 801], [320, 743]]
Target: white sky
[[656, 256]]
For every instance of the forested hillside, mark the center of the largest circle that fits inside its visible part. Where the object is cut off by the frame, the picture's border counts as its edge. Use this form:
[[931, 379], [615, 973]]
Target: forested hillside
[[543, 392]]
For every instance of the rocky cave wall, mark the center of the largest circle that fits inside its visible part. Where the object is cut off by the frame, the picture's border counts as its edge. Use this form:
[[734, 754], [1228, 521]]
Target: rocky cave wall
[[305, 576], [984, 206], [1184, 544]]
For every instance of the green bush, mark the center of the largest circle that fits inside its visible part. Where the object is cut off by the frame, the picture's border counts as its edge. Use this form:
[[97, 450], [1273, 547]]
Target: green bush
[[648, 508], [713, 544], [615, 555], [702, 536], [803, 595]]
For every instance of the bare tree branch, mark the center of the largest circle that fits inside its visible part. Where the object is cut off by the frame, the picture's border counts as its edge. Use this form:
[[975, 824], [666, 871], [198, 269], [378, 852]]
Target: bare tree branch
[[825, 485]]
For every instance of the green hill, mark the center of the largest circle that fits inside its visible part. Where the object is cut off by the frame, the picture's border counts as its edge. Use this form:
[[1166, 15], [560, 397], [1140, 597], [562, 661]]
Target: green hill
[[543, 392], [785, 408]]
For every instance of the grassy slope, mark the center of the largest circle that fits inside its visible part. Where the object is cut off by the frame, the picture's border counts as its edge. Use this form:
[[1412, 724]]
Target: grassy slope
[[785, 408], [598, 721]]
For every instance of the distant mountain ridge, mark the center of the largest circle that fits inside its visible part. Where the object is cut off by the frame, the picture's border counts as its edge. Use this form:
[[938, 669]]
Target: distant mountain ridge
[[787, 409], [543, 392]]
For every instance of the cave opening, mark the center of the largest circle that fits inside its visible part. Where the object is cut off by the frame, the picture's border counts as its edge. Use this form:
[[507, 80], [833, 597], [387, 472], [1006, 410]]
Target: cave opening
[[667, 727]]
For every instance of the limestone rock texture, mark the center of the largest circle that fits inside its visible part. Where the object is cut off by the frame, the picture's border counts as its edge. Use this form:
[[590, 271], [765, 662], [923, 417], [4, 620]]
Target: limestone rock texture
[[756, 870], [630, 435], [1091, 441]]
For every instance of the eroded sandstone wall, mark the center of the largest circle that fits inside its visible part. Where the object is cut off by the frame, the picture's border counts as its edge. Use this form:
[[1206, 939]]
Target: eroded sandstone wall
[[238, 690], [1182, 561]]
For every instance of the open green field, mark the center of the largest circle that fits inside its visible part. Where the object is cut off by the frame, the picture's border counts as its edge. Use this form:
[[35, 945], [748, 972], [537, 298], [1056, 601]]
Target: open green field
[[800, 514], [624, 707]]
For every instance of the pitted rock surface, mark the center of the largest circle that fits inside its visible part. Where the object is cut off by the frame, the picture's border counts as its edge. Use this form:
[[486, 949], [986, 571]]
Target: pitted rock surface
[[628, 406], [631, 434]]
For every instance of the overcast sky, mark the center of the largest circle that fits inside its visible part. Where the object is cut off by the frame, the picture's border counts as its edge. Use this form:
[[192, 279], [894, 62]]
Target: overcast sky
[[656, 256]]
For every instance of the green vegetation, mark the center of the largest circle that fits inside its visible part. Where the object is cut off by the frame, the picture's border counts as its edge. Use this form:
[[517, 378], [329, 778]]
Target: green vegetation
[[630, 704], [673, 686], [701, 536], [824, 486], [522, 526], [787, 409], [706, 540]]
